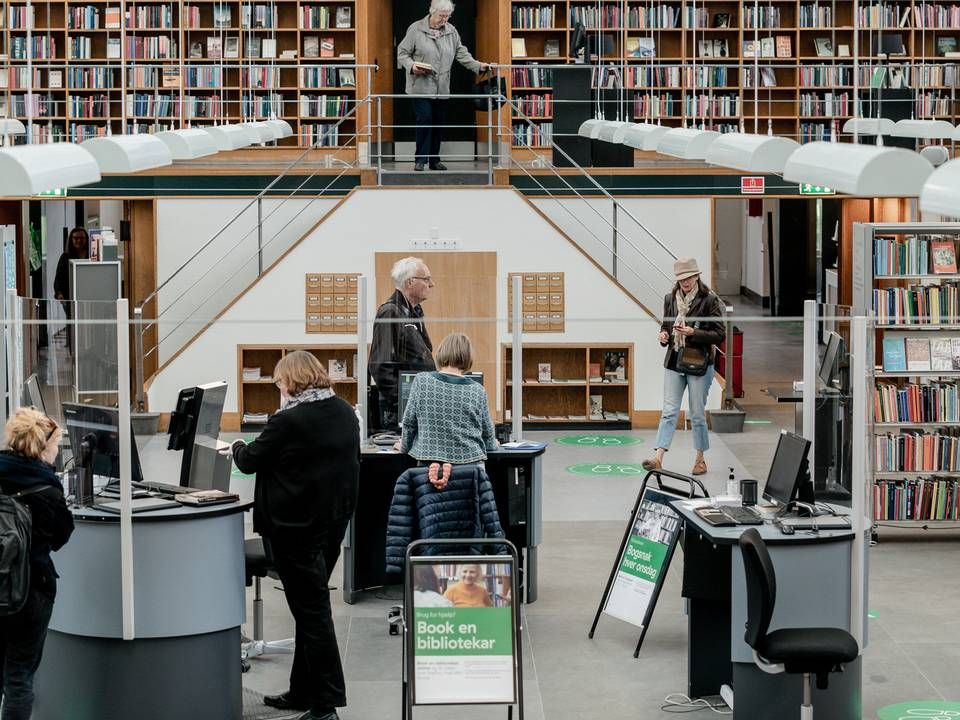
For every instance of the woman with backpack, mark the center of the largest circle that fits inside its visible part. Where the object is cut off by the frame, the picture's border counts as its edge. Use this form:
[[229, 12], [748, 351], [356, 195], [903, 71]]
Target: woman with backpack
[[27, 475]]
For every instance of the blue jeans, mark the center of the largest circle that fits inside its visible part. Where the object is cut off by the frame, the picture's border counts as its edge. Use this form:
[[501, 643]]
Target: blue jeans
[[697, 388], [21, 645]]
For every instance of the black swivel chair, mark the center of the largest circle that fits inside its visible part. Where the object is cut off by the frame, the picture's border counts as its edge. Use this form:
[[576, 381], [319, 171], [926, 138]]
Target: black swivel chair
[[258, 564], [806, 651]]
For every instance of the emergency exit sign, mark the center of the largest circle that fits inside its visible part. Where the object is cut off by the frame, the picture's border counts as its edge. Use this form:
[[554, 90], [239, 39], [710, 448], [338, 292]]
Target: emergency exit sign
[[807, 189], [752, 185]]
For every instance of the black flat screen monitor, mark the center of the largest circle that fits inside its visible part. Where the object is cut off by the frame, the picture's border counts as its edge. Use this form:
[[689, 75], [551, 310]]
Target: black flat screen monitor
[[788, 469], [196, 421], [104, 424], [406, 382], [31, 394], [828, 365]]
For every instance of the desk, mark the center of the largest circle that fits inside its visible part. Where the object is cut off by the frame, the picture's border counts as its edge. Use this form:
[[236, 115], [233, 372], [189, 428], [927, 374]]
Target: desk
[[188, 607], [517, 487], [813, 590]]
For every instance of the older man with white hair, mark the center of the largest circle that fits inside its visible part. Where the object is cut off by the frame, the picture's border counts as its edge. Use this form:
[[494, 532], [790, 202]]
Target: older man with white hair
[[427, 54], [400, 340]]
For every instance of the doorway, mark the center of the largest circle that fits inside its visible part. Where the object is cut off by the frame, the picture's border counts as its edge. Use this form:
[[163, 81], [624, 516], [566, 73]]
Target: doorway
[[460, 116]]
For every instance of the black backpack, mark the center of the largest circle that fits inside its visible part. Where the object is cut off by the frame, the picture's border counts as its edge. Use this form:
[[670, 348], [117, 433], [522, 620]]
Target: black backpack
[[16, 527]]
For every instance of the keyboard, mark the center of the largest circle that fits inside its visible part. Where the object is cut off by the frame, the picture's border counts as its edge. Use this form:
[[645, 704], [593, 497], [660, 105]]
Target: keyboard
[[729, 515], [168, 489]]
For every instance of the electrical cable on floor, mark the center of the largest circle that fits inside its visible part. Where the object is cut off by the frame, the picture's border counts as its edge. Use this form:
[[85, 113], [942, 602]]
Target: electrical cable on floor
[[680, 703]]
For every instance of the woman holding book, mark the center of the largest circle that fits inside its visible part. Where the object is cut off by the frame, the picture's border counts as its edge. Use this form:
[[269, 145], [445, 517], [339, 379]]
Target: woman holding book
[[427, 54], [689, 362]]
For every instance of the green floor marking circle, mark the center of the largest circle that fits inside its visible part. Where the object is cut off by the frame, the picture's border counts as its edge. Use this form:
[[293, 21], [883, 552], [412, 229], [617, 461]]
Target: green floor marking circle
[[602, 469], [598, 440], [920, 710], [873, 615]]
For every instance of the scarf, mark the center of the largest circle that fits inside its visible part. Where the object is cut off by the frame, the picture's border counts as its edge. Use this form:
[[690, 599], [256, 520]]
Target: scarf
[[307, 396], [436, 32], [684, 303]]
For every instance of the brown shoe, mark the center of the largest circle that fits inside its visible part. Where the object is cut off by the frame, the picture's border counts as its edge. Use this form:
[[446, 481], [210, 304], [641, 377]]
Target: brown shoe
[[700, 467], [652, 464]]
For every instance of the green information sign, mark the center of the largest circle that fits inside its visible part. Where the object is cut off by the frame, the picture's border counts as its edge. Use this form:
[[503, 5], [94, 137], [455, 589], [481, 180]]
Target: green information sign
[[917, 709], [643, 558], [598, 440], [608, 469], [808, 189], [463, 631]]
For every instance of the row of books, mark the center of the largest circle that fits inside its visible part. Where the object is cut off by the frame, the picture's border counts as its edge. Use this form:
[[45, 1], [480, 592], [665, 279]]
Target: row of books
[[603, 16], [918, 305], [263, 106], [932, 15], [329, 76], [936, 76], [706, 76], [768, 17], [79, 47], [80, 132], [914, 255], [883, 15], [918, 499], [20, 17], [317, 135], [155, 47], [96, 77], [825, 75], [207, 76], [826, 105], [655, 106], [153, 105], [913, 451], [535, 105], [816, 16], [531, 76], [536, 134], [89, 106], [332, 106], [203, 106], [934, 402], [934, 105], [137, 128], [523, 17], [40, 47], [920, 354], [767, 75], [257, 16], [35, 105], [314, 17], [150, 17], [712, 105], [83, 18], [660, 76], [654, 17]]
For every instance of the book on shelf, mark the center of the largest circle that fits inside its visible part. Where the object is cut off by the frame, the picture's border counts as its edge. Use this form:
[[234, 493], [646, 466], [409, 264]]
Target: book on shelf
[[894, 355], [784, 46], [642, 47], [944, 257], [946, 46], [111, 18], [344, 17], [955, 342], [544, 372], [55, 79], [253, 46], [824, 46], [768, 77], [557, 418], [355, 366], [878, 78], [337, 369], [577, 418], [113, 48], [750, 49], [594, 373], [346, 56], [311, 46], [251, 373], [268, 48], [196, 50], [721, 20], [346, 77], [551, 47], [615, 361], [231, 47], [596, 407], [171, 76], [768, 47], [518, 47], [941, 354], [895, 77], [221, 15], [843, 50], [253, 418], [918, 354], [214, 47], [326, 47]]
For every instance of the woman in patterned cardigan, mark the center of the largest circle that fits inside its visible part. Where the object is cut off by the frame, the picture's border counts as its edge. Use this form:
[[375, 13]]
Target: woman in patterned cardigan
[[447, 420]]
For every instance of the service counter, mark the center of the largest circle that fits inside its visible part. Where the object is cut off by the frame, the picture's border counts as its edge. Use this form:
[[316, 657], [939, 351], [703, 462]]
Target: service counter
[[517, 486], [184, 660]]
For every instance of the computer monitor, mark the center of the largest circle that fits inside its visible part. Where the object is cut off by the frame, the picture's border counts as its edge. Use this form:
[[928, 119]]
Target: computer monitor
[[31, 395], [195, 429], [103, 423], [788, 471], [829, 365], [406, 382]]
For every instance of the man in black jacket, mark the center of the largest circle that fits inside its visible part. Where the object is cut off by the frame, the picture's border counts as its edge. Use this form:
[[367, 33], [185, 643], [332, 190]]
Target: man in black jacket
[[400, 340]]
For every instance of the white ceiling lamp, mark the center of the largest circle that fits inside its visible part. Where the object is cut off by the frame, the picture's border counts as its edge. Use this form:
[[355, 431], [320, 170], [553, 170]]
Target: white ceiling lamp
[[956, 133], [687, 144], [868, 126], [259, 132], [589, 128], [281, 128], [31, 169], [128, 153], [751, 152], [643, 136], [612, 131], [864, 170], [228, 137], [11, 126], [941, 192], [188, 143], [924, 129]]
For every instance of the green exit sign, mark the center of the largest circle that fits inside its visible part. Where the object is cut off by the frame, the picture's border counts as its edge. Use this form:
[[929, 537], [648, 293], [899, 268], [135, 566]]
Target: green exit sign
[[807, 189], [55, 192]]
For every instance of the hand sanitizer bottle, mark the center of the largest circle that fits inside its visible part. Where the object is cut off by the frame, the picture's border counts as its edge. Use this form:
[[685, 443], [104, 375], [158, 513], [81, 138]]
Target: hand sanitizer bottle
[[733, 487]]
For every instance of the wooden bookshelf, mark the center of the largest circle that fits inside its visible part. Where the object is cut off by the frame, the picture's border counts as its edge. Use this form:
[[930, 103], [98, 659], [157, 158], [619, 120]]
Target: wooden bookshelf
[[566, 399], [166, 65], [813, 92], [261, 395]]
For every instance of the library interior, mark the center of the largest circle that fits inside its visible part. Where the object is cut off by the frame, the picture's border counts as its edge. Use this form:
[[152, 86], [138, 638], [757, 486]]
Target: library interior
[[572, 359]]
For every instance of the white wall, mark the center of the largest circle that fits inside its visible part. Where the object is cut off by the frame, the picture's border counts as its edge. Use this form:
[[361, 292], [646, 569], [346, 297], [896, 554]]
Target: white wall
[[755, 263], [372, 220], [221, 271], [728, 234]]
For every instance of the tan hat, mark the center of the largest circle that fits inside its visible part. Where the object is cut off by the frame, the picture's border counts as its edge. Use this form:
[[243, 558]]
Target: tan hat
[[684, 268]]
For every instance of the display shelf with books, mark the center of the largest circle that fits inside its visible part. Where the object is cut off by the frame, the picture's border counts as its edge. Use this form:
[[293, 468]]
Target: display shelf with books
[[258, 396], [572, 384], [906, 274]]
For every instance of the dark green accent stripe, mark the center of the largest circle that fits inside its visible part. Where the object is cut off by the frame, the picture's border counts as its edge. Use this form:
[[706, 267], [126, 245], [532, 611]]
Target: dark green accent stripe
[[216, 185], [680, 184]]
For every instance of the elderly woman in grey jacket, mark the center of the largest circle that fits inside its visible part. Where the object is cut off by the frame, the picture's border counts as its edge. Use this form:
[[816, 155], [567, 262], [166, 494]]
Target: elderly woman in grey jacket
[[427, 54]]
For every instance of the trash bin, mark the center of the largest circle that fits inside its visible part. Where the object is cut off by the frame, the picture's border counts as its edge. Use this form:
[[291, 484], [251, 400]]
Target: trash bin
[[737, 361]]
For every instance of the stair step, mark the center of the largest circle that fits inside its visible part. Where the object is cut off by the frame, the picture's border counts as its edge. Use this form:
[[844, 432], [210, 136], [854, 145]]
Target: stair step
[[432, 177]]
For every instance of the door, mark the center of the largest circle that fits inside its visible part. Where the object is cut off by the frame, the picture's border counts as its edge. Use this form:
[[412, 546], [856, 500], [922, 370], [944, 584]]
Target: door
[[796, 257], [728, 229]]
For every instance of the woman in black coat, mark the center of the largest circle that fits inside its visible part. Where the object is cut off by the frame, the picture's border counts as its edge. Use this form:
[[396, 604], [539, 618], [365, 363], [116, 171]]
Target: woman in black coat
[[78, 248], [692, 299], [307, 462], [33, 441]]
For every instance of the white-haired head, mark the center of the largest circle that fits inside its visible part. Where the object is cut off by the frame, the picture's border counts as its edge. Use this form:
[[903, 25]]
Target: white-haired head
[[441, 6], [403, 270]]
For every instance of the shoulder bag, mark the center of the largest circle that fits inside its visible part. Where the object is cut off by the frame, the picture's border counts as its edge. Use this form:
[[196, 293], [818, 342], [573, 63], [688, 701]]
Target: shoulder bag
[[691, 359], [488, 87]]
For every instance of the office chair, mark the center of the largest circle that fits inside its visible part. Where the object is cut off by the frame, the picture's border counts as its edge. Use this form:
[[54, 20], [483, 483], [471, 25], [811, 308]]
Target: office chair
[[258, 564], [806, 651]]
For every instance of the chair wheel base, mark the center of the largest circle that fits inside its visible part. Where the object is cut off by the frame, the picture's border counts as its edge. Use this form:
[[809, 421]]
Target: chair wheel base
[[262, 647]]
